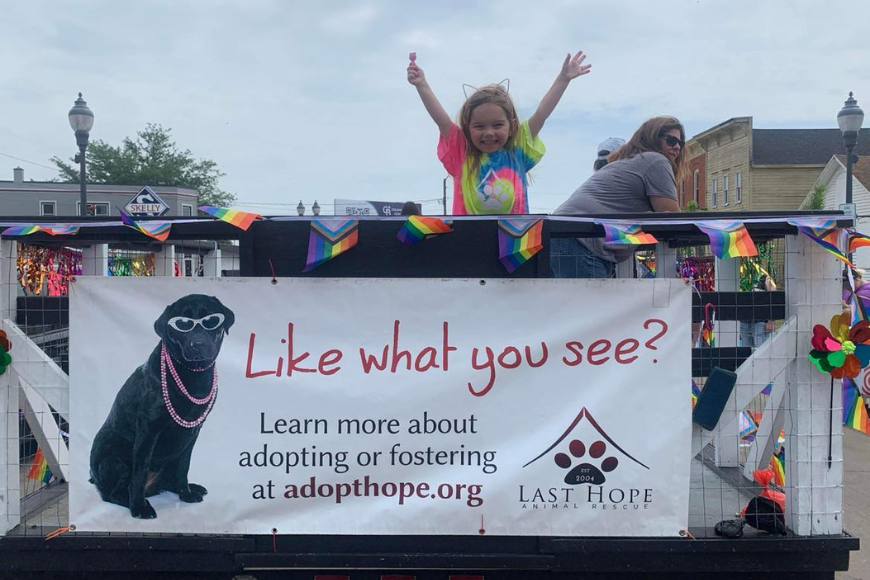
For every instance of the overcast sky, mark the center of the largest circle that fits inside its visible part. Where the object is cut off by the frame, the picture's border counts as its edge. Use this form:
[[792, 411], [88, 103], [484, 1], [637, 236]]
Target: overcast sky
[[309, 100]]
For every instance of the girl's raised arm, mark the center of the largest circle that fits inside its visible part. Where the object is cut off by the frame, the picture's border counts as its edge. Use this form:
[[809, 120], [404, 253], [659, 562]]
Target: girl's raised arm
[[572, 68], [430, 101]]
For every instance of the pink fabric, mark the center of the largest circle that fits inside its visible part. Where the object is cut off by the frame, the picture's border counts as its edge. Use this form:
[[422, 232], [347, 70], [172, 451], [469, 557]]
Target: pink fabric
[[451, 152]]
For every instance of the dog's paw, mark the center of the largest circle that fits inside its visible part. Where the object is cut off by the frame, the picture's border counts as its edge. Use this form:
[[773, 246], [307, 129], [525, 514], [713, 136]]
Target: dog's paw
[[198, 489], [192, 495], [143, 511]]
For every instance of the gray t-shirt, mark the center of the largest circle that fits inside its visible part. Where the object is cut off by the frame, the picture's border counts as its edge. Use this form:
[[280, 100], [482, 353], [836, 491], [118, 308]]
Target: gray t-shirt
[[623, 186]]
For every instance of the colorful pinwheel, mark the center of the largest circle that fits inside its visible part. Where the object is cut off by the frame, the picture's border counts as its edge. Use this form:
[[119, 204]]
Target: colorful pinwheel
[[842, 351]]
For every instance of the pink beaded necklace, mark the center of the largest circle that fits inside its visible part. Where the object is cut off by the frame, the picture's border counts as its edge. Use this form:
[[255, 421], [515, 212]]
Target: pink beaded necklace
[[166, 361]]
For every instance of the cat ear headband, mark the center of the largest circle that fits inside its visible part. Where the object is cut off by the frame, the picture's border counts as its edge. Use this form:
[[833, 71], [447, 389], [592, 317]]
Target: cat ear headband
[[505, 85]]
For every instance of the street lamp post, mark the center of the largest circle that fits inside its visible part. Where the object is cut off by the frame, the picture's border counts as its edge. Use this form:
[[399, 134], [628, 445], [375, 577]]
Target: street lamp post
[[315, 209], [300, 209], [81, 119], [850, 119]]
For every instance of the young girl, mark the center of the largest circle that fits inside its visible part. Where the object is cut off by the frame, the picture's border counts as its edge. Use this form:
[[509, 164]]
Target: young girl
[[489, 153]]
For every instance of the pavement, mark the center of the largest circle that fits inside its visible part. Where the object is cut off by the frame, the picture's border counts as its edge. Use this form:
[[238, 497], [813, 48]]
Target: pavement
[[856, 501]]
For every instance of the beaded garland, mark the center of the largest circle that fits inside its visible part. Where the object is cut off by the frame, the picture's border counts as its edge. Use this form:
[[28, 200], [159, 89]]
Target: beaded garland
[[166, 361]]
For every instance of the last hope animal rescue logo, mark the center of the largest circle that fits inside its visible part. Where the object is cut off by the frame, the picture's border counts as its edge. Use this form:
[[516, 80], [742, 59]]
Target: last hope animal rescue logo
[[588, 469]]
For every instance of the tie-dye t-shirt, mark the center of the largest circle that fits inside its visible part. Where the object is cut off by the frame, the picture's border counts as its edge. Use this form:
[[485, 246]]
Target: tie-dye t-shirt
[[499, 186]]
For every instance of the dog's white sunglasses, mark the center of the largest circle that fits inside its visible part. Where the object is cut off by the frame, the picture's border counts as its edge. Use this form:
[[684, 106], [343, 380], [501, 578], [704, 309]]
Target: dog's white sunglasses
[[185, 324]]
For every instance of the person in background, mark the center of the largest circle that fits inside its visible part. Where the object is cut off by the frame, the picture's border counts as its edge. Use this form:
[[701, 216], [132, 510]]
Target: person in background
[[754, 333], [606, 147], [862, 291], [411, 208], [640, 176], [490, 151]]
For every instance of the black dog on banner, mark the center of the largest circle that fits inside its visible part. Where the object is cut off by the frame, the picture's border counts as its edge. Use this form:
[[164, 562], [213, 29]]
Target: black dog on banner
[[144, 447]]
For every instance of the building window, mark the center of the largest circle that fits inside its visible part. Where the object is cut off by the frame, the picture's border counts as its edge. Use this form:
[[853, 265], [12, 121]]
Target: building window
[[186, 210], [738, 181], [95, 208], [714, 198], [725, 190], [48, 208], [696, 186]]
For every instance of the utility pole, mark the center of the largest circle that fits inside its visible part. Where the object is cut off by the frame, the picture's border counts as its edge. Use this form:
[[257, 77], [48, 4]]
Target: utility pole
[[444, 195]]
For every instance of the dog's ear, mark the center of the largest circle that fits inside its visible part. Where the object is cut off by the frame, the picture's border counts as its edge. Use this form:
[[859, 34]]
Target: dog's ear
[[160, 323]]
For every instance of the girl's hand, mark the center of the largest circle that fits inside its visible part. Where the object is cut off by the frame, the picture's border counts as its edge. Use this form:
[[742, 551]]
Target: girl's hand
[[574, 67], [415, 75]]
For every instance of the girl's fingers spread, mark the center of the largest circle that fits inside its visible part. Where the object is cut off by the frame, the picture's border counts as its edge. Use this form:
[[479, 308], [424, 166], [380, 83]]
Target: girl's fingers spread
[[580, 57]]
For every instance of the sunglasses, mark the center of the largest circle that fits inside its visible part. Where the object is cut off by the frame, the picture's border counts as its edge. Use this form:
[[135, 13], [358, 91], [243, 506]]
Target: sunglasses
[[185, 324], [671, 141]]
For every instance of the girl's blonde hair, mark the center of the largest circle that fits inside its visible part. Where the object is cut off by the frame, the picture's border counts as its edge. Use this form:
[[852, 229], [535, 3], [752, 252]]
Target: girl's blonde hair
[[492, 94], [647, 138]]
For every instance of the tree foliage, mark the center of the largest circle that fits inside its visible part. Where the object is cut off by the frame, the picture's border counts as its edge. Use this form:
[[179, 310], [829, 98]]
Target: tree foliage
[[152, 158], [817, 198]]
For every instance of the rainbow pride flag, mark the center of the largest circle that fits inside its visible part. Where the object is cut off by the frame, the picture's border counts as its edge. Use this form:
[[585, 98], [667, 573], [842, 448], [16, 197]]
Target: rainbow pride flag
[[64, 230], [777, 464], [240, 219], [22, 230], [823, 232], [330, 237], [616, 232], [157, 230], [518, 240], [728, 239], [39, 470], [748, 428], [696, 392], [854, 412], [418, 228], [857, 240]]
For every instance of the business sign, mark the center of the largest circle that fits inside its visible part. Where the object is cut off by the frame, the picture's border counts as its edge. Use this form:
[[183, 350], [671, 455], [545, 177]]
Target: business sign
[[420, 413], [146, 203], [362, 208]]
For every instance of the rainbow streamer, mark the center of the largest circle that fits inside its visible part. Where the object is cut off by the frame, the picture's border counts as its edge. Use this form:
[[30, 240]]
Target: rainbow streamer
[[157, 230], [39, 469], [857, 240], [823, 232], [767, 390], [696, 392], [329, 238], [418, 228], [240, 219], [23, 230], [854, 412], [518, 240], [616, 232], [728, 239], [64, 230]]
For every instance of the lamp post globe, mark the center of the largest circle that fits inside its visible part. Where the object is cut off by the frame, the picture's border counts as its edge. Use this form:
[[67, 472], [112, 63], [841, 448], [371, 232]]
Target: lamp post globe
[[81, 119], [300, 209], [315, 209], [850, 118]]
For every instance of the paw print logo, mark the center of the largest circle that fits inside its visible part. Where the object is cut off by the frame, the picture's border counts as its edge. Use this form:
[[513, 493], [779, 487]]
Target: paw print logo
[[586, 472], [494, 192]]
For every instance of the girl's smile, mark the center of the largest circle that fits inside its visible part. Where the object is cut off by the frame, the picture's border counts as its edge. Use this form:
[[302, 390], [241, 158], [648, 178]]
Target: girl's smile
[[489, 128]]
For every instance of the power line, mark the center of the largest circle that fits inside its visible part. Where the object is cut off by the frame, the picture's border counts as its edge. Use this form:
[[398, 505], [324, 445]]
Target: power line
[[27, 161]]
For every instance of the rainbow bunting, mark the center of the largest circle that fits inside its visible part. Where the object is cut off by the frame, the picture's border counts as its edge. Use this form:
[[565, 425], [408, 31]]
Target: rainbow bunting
[[330, 237], [854, 412], [24, 230], [64, 230], [157, 230], [728, 239], [518, 240], [39, 469], [857, 240], [777, 464], [747, 425], [823, 232], [240, 219], [418, 228], [616, 232], [767, 390], [696, 392]]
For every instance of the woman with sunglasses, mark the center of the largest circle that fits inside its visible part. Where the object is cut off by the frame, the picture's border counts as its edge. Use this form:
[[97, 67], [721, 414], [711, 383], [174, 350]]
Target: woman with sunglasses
[[640, 176]]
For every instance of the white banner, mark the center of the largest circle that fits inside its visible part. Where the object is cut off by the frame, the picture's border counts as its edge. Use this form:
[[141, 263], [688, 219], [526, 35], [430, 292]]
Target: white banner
[[371, 406]]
